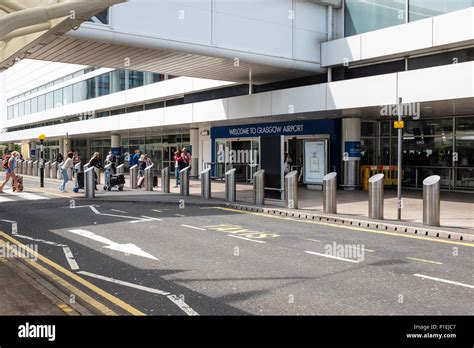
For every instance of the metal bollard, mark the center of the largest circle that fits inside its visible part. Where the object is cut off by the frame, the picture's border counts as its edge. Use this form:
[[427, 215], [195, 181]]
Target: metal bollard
[[291, 190], [431, 201], [35, 168], [89, 183], [86, 166], [329, 193], [259, 187], [165, 180], [149, 178], [121, 169], [376, 199], [54, 170], [134, 177], [30, 168], [206, 183], [19, 166], [47, 169], [59, 171], [184, 182], [230, 185]]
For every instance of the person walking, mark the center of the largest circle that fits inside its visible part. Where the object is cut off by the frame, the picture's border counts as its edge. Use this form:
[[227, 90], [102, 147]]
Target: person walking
[[177, 166], [68, 164], [9, 165], [187, 159]]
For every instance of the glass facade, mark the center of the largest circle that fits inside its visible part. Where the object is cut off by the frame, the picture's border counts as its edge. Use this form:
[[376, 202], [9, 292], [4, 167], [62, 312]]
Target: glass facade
[[84, 90], [361, 16], [430, 147], [421, 9]]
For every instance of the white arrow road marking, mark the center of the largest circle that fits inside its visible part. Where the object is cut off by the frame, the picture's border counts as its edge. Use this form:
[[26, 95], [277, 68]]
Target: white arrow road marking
[[251, 240], [70, 259], [194, 227], [173, 298], [444, 281], [145, 218], [332, 257], [138, 219], [125, 248]]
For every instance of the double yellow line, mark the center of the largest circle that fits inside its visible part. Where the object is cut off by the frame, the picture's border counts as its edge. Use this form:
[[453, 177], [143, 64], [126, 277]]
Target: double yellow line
[[73, 289]]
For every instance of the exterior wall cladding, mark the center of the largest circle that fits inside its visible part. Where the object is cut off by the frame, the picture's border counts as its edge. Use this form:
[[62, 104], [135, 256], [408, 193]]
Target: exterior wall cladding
[[377, 55]]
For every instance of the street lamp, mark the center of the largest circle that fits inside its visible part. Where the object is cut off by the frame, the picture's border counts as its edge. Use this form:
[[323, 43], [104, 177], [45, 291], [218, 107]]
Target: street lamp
[[41, 138]]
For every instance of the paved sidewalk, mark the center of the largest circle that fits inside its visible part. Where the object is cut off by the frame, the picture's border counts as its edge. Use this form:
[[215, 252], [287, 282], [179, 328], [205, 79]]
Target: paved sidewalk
[[457, 209], [19, 297]]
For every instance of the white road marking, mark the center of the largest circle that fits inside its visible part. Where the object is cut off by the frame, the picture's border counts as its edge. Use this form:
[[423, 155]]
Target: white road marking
[[121, 282], [194, 227], [444, 281], [173, 298], [251, 240], [94, 209], [114, 215], [119, 211], [181, 304], [5, 199], [424, 260], [145, 219], [14, 226], [41, 240], [332, 257], [26, 195], [70, 259], [312, 240], [128, 248]]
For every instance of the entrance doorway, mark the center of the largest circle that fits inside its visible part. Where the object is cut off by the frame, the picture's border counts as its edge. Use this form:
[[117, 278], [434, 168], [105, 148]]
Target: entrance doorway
[[241, 154], [295, 148]]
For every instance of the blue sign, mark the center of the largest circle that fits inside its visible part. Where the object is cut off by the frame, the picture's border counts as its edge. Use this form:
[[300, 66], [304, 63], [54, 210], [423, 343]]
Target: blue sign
[[33, 153], [272, 129], [352, 148]]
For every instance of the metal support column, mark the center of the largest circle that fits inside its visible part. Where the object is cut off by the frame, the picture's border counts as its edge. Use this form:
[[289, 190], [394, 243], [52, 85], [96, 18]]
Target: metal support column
[[89, 183], [291, 190], [376, 200], [230, 185], [329, 193], [184, 182], [165, 180], [431, 201], [134, 177], [206, 183], [120, 169], [47, 169], [149, 178], [259, 187]]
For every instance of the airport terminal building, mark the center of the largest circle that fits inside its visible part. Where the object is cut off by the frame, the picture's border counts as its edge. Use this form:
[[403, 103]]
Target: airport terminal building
[[243, 83]]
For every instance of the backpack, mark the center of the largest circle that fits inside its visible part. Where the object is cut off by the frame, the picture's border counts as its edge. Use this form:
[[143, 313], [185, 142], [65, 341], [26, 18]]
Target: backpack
[[6, 159]]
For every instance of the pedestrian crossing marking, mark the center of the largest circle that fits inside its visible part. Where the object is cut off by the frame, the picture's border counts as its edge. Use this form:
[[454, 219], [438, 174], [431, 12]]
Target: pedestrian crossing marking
[[8, 196]]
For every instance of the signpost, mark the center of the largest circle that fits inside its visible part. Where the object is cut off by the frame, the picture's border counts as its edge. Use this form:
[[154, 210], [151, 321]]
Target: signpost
[[399, 171], [41, 138]]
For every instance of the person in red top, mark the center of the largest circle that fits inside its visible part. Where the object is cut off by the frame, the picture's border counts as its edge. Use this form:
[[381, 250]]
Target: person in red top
[[186, 156]]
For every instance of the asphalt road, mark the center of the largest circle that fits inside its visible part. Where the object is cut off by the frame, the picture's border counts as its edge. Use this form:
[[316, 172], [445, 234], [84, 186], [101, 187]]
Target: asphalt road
[[166, 259]]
